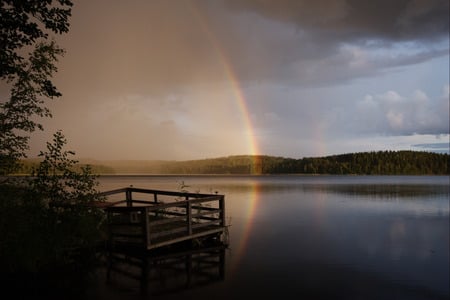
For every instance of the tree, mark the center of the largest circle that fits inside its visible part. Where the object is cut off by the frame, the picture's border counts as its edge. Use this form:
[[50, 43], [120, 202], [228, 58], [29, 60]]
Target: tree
[[43, 223], [69, 194], [24, 24], [57, 180], [45, 220], [27, 63]]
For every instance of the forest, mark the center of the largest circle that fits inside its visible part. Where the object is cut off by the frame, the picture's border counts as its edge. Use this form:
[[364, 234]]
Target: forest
[[363, 163]]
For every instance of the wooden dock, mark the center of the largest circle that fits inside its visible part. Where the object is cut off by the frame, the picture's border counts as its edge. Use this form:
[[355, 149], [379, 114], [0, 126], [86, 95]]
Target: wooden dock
[[150, 219]]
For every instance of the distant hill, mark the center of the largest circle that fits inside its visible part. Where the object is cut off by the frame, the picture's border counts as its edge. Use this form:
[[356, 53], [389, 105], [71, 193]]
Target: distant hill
[[364, 163]]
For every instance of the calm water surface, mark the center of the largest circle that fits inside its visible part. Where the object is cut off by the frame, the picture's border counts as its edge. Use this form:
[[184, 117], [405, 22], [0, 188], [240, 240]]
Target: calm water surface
[[315, 237]]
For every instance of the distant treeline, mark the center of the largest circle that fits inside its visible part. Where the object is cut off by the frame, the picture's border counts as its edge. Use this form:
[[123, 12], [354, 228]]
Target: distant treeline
[[28, 165], [364, 163]]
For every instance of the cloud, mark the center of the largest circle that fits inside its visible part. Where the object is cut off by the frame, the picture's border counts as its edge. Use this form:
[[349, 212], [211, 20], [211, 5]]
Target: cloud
[[350, 20], [434, 147], [172, 72], [164, 47], [393, 114]]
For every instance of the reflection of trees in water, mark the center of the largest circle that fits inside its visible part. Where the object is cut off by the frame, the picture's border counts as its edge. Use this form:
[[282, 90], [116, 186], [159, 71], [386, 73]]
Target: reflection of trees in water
[[352, 189], [166, 271], [383, 190]]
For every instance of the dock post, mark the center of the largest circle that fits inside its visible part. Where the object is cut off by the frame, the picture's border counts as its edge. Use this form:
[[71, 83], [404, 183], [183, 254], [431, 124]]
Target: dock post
[[189, 216], [146, 225], [128, 197], [222, 210]]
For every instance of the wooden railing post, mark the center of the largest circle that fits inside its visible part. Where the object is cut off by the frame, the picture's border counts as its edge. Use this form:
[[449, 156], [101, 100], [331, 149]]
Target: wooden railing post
[[128, 198], [155, 199], [189, 217], [222, 210]]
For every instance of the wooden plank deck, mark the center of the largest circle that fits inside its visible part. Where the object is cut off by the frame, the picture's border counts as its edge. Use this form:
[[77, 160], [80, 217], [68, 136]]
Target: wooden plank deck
[[152, 219]]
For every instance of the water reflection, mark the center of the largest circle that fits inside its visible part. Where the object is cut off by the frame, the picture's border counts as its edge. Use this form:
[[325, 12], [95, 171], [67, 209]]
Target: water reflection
[[386, 191], [393, 238], [322, 237], [165, 271], [248, 207]]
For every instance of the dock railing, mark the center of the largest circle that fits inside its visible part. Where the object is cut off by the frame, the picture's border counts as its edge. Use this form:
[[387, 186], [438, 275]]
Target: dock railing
[[156, 218]]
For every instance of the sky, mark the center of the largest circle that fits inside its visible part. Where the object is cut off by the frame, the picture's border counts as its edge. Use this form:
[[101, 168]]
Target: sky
[[181, 80]]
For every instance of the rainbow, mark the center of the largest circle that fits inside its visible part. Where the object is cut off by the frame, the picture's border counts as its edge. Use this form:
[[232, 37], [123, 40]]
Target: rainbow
[[245, 235], [242, 104], [252, 144]]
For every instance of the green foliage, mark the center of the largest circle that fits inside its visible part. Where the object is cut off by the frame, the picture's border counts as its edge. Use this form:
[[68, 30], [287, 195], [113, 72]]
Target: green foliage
[[378, 163], [24, 23], [46, 221], [367, 163], [27, 166], [24, 26], [57, 181], [50, 217], [30, 88]]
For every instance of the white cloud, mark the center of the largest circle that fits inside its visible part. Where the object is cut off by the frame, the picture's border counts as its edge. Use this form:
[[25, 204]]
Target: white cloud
[[393, 114]]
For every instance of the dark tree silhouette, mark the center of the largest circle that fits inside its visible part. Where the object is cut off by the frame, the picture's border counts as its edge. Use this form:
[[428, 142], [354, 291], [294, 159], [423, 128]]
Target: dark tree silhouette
[[27, 63]]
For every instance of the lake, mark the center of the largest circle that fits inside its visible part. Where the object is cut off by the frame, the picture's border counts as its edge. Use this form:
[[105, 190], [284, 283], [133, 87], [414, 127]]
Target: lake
[[312, 237]]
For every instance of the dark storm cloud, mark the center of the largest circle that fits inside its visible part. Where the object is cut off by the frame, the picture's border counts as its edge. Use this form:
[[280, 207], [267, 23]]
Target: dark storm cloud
[[346, 20], [306, 43], [162, 47]]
